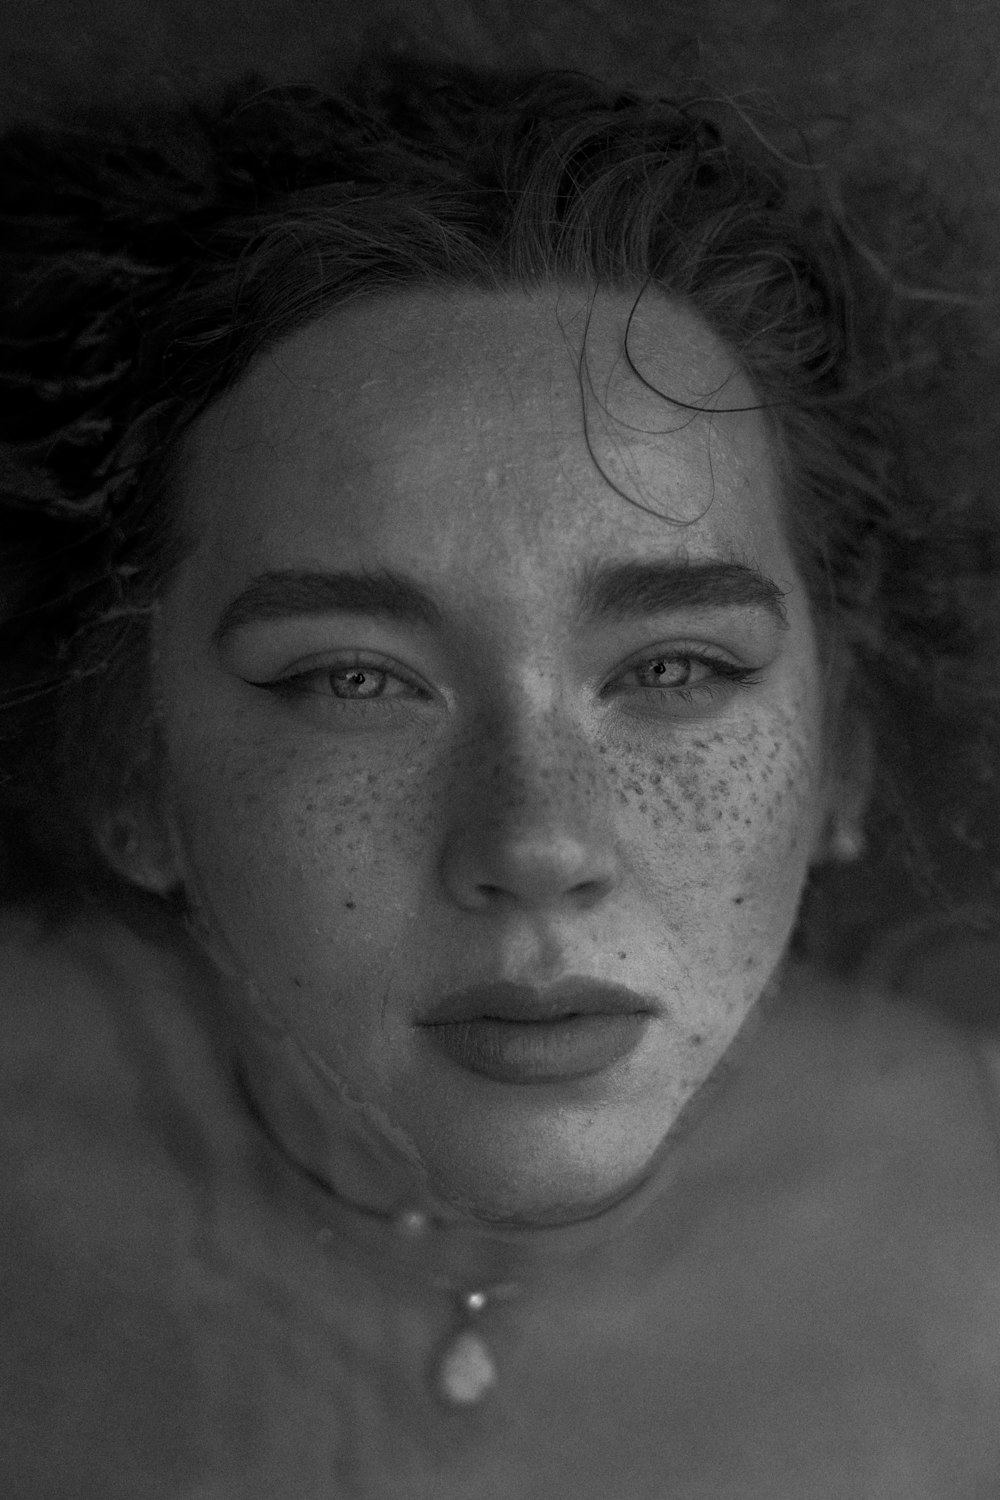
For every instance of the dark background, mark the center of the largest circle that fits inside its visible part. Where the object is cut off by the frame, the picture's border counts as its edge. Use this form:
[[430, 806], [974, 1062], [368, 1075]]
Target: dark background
[[877, 85], [914, 79]]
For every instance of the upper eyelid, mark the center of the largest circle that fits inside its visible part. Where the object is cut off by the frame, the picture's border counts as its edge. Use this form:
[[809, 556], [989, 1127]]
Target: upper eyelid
[[697, 652], [343, 661], [348, 656]]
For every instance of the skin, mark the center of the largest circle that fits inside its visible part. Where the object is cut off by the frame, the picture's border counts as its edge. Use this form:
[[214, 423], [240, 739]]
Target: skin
[[533, 807]]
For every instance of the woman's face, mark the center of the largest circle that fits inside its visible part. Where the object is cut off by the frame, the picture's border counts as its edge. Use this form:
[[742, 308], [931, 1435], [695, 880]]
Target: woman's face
[[595, 748]]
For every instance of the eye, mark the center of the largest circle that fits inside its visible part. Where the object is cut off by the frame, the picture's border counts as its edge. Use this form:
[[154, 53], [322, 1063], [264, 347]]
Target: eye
[[351, 685], [685, 679]]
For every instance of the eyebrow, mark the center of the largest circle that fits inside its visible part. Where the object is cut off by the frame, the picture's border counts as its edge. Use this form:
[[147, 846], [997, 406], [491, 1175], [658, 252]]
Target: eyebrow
[[606, 593]]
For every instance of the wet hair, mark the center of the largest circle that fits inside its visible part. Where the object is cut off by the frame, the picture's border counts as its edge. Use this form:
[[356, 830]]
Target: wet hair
[[148, 257]]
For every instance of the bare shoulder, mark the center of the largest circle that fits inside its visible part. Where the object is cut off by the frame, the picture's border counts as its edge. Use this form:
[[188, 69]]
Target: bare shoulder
[[986, 1050], [886, 1035], [54, 989], [163, 1332], [105, 1066], [91, 1007]]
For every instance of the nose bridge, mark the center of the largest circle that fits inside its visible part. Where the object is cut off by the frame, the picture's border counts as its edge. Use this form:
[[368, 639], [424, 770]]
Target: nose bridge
[[529, 818], [527, 756]]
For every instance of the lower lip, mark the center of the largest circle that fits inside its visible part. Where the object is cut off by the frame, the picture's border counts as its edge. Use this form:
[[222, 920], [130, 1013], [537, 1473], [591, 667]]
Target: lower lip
[[539, 1051]]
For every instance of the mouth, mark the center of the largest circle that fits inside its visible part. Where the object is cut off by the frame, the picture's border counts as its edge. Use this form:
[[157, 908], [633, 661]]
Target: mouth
[[570, 997], [521, 1034]]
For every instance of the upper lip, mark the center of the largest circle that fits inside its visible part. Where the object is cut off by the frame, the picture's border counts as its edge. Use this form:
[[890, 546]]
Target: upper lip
[[505, 1001]]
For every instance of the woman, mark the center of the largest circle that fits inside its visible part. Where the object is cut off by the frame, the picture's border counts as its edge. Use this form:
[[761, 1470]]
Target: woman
[[467, 577]]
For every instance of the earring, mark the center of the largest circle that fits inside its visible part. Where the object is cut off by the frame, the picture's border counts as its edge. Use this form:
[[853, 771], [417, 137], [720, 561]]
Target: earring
[[844, 844]]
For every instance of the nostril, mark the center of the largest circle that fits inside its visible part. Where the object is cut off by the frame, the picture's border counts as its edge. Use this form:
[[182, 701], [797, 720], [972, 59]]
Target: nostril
[[589, 892]]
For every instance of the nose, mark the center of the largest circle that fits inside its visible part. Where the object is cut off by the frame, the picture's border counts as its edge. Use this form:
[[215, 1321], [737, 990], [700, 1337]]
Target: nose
[[529, 828]]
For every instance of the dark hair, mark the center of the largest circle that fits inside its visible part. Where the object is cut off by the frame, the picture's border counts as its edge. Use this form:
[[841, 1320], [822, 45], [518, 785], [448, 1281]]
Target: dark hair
[[147, 260]]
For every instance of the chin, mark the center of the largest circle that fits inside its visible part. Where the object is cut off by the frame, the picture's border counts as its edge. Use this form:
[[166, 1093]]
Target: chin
[[543, 1170]]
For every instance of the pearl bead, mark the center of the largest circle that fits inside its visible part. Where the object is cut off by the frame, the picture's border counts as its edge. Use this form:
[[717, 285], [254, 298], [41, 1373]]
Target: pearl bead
[[474, 1302], [467, 1370], [412, 1221]]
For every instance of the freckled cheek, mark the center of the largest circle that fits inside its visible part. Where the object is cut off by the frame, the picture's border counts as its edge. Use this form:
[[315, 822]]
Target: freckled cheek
[[267, 832], [723, 814]]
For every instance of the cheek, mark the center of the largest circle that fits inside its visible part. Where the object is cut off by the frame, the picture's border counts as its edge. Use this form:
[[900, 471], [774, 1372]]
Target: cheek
[[265, 835], [726, 819]]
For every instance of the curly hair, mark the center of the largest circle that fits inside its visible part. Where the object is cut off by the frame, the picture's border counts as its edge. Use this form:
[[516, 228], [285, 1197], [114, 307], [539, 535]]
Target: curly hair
[[147, 259]]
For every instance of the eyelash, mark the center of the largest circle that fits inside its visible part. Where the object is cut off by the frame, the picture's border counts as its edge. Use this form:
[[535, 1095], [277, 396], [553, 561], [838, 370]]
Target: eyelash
[[726, 675]]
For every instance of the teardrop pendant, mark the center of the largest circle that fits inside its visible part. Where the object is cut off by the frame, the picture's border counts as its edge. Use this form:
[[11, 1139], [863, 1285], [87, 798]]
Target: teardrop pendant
[[467, 1371]]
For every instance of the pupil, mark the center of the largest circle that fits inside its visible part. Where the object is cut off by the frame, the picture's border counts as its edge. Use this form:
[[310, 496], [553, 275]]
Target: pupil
[[680, 669], [357, 680]]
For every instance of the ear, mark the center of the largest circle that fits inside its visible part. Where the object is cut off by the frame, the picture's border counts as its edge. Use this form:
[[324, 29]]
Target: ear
[[850, 782], [139, 851], [134, 832]]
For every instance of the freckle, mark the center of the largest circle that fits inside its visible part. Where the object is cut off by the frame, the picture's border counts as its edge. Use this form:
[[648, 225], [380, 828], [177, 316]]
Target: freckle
[[623, 953], [338, 827], [350, 905], [697, 1039], [296, 981]]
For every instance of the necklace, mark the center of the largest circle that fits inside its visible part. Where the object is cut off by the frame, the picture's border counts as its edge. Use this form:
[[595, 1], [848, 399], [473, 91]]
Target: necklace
[[464, 1368]]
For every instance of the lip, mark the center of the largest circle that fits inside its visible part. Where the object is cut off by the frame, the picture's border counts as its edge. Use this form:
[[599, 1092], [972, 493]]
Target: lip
[[507, 1001], [539, 1051]]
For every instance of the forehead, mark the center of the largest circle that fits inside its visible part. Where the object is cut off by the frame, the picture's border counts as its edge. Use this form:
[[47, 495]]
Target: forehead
[[514, 422]]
